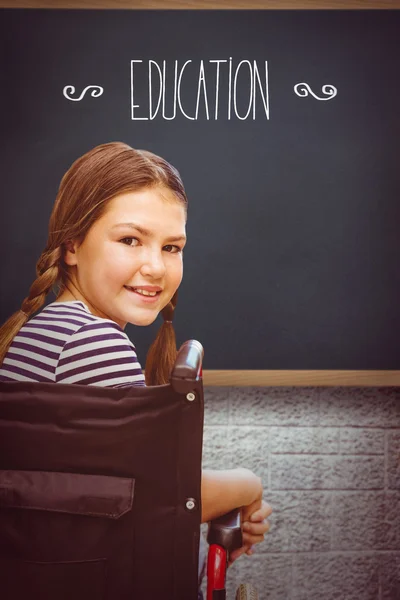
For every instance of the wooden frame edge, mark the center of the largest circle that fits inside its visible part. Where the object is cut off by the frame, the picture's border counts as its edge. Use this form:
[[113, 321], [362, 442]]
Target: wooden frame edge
[[205, 4], [301, 378]]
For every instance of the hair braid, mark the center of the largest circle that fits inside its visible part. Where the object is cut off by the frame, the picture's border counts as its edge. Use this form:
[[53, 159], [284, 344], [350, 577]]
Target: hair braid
[[162, 353], [47, 269]]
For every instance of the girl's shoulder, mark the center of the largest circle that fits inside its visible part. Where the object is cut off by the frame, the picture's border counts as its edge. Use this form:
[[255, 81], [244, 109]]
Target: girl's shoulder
[[66, 343], [71, 315], [98, 352], [71, 323], [72, 312]]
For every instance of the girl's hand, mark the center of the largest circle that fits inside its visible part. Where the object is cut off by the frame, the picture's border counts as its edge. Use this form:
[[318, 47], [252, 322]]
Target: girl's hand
[[254, 527]]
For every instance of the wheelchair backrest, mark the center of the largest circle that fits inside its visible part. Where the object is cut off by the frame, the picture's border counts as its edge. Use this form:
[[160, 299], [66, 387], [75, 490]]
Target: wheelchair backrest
[[100, 490]]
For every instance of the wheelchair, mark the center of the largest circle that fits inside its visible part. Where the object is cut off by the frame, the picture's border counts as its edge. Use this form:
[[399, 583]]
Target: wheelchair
[[100, 491]]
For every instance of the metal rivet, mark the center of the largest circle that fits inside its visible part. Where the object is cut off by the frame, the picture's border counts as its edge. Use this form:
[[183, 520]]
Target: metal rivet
[[190, 396], [190, 503]]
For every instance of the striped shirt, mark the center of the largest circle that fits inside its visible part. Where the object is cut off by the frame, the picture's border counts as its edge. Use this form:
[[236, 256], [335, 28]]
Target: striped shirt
[[65, 343]]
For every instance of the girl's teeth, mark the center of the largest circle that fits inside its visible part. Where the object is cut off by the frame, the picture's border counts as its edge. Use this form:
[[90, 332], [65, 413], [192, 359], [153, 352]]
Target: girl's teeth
[[145, 292]]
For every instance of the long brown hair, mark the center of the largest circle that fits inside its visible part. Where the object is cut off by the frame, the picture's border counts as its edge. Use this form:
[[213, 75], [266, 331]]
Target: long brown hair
[[85, 190]]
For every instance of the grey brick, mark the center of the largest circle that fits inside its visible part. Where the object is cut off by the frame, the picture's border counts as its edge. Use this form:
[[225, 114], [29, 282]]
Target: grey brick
[[361, 407], [333, 577], [216, 405], [340, 540], [390, 576], [391, 518], [249, 448], [216, 454], [274, 406], [326, 472], [355, 440], [394, 459], [271, 575], [364, 521], [299, 522], [310, 440]]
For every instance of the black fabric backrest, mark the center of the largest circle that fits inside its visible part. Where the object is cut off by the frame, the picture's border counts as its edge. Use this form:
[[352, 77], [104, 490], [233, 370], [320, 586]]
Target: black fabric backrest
[[95, 492]]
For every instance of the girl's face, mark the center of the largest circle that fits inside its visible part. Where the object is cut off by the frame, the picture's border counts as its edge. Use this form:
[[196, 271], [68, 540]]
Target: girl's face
[[129, 265]]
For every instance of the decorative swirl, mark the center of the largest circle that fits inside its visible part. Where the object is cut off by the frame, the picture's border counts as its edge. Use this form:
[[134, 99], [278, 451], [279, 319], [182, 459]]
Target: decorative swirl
[[303, 90], [95, 93]]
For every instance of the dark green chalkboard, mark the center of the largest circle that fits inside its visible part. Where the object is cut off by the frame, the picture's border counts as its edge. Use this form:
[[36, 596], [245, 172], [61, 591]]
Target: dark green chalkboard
[[293, 253]]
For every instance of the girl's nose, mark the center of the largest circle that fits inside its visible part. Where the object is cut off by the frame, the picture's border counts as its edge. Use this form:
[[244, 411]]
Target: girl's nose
[[153, 265]]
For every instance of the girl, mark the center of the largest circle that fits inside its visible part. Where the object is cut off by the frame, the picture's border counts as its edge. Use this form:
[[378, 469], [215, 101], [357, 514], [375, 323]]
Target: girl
[[114, 251]]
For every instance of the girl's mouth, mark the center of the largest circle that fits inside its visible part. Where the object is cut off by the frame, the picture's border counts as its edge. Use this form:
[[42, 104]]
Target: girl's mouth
[[146, 295]]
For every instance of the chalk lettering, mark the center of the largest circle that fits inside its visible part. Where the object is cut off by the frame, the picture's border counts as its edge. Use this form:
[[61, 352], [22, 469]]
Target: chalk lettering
[[232, 81]]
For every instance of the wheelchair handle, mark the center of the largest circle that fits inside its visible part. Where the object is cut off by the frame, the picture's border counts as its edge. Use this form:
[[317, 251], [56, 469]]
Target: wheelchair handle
[[187, 368], [226, 531]]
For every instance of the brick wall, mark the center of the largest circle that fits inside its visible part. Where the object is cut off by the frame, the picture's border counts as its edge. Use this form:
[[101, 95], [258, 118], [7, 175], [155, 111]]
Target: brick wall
[[329, 459]]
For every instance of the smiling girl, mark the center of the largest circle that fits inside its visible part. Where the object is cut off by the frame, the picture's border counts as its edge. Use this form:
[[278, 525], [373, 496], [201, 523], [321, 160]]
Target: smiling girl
[[114, 252]]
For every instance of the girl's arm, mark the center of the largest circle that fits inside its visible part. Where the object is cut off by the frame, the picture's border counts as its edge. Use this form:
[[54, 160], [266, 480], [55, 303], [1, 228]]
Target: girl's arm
[[222, 491]]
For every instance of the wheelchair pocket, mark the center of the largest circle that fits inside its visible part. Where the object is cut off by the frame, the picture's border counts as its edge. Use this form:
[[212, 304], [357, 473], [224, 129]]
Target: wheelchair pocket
[[59, 531]]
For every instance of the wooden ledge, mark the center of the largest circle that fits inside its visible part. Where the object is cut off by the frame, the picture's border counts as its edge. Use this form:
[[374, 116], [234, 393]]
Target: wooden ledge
[[302, 378], [204, 4]]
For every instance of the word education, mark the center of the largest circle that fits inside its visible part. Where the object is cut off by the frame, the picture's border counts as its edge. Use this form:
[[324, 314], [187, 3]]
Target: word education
[[211, 90]]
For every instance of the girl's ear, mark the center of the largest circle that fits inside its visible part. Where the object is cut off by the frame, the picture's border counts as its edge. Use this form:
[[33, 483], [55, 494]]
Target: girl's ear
[[70, 257]]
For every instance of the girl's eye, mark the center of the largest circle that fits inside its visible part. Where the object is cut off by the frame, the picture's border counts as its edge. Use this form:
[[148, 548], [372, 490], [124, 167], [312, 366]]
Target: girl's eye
[[130, 241], [172, 249]]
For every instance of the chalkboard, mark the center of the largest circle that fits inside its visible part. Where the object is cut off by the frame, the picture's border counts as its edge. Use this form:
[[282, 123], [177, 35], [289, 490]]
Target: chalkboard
[[285, 128]]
